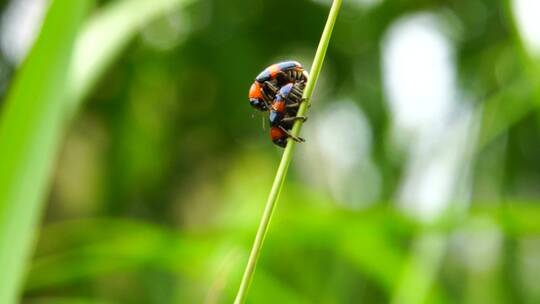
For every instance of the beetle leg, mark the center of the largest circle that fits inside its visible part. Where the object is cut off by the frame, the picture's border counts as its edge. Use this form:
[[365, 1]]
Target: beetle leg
[[302, 100], [292, 105], [295, 138], [295, 118], [272, 87], [297, 90], [267, 103], [296, 94], [305, 75], [266, 99], [265, 96]]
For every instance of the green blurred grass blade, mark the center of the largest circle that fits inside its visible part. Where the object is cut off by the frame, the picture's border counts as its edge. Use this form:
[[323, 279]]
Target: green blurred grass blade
[[105, 36], [30, 130], [32, 122], [65, 300], [82, 249], [281, 292], [87, 250], [499, 114]]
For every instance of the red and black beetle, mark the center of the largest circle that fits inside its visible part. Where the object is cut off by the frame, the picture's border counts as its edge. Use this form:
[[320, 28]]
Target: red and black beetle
[[279, 136], [285, 106], [272, 77], [284, 71], [283, 113], [278, 89]]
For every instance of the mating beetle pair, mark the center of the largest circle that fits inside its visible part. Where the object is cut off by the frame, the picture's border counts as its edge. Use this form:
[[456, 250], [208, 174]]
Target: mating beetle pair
[[278, 89]]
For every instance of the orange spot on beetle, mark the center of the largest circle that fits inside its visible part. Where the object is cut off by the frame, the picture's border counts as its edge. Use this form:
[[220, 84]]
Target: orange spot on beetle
[[274, 70], [276, 133], [279, 106], [255, 91]]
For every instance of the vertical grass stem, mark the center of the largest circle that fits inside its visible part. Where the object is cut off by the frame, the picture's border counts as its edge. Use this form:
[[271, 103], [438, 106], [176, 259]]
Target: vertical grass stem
[[287, 155]]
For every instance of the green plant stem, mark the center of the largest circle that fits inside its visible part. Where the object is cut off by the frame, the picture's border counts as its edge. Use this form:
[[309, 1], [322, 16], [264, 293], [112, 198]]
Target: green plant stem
[[287, 155]]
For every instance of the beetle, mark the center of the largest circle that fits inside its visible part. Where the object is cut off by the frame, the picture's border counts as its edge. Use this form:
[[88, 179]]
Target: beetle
[[256, 97], [285, 106], [270, 79], [279, 136], [283, 113], [286, 71]]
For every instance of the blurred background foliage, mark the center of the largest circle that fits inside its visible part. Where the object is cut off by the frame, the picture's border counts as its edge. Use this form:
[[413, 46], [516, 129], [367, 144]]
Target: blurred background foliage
[[419, 181]]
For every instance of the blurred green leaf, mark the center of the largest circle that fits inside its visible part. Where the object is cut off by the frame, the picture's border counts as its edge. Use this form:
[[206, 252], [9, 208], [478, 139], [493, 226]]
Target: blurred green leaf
[[83, 250], [98, 247], [499, 114], [64, 300], [269, 285], [105, 36], [30, 131], [32, 122]]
